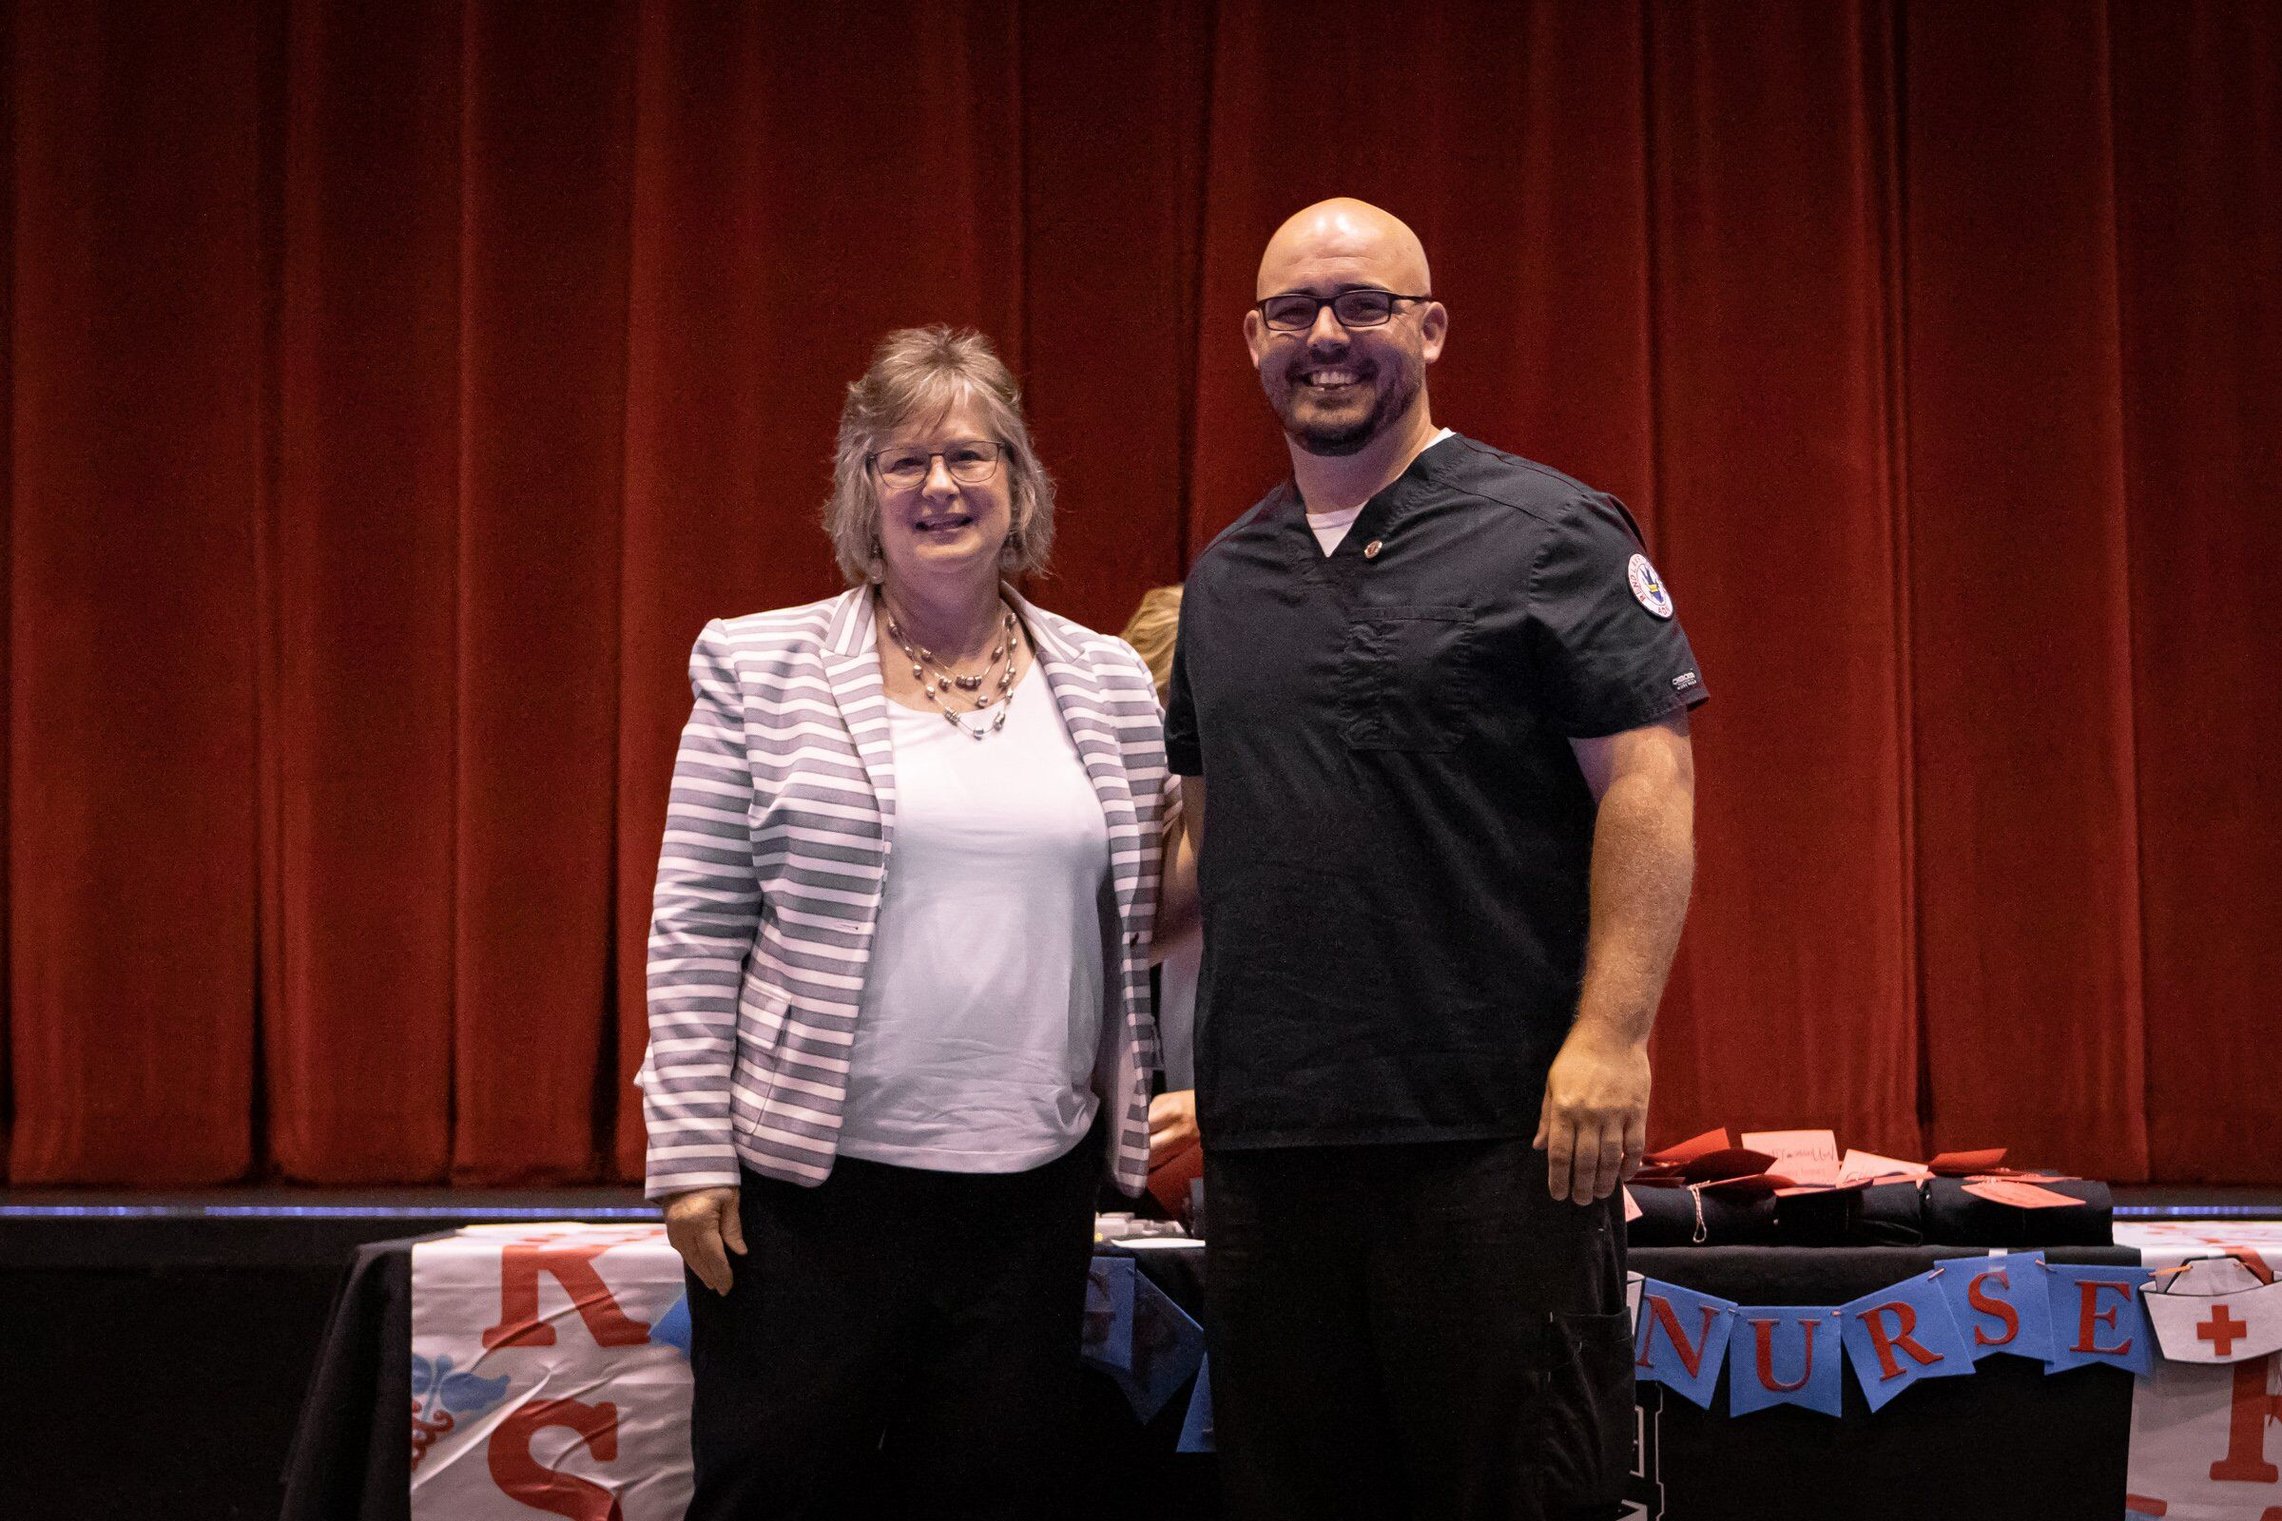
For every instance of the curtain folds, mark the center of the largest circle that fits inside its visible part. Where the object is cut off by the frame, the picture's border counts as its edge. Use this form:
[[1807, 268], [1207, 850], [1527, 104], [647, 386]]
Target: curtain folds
[[394, 391]]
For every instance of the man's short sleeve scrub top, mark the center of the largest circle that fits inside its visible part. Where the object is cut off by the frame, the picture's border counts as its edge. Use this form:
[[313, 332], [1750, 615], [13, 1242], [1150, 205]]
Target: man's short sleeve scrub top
[[1398, 840]]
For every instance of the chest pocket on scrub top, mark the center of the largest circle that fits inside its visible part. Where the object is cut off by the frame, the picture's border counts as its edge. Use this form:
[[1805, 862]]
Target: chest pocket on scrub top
[[1404, 678]]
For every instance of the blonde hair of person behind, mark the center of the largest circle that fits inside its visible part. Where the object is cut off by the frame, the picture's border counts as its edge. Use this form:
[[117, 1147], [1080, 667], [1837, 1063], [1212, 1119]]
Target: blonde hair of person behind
[[919, 374], [1156, 623]]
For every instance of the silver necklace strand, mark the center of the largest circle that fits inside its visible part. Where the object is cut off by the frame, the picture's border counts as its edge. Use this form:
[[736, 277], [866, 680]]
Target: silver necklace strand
[[938, 688]]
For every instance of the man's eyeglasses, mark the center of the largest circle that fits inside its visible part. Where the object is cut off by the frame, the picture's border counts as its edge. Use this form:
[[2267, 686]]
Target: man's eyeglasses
[[970, 463], [1365, 306]]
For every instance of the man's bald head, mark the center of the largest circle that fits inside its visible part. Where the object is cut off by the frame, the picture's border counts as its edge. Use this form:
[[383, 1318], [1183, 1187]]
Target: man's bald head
[[1361, 243]]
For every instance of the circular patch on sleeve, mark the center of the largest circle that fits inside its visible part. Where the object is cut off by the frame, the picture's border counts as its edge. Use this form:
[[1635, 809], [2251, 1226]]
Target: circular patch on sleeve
[[1647, 588]]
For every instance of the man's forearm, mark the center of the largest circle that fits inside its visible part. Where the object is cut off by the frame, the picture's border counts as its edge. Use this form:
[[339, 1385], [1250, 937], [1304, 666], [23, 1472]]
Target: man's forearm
[[1643, 865]]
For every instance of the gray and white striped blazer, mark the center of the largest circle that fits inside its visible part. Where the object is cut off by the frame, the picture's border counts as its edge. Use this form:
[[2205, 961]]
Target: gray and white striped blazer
[[779, 836]]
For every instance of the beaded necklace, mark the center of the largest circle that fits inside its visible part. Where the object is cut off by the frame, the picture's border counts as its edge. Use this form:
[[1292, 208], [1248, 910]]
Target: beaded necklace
[[938, 687]]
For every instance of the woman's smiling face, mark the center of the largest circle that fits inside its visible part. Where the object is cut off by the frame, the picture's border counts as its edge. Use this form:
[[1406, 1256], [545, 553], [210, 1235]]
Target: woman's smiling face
[[941, 525]]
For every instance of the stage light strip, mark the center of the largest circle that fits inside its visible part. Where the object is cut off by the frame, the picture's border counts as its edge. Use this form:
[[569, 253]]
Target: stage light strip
[[649, 1213], [2198, 1212], [319, 1212]]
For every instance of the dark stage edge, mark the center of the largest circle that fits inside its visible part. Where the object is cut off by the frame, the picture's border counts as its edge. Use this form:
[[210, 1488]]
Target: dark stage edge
[[287, 1227], [155, 1347], [269, 1226]]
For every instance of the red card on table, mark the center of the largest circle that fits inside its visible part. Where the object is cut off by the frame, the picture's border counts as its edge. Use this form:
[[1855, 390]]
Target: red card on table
[[1690, 1149], [1803, 1156], [1963, 1164], [2018, 1194], [1731, 1162], [1869, 1167]]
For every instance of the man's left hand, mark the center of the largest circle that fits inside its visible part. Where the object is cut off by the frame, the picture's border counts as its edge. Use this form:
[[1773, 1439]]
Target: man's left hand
[[1594, 1124]]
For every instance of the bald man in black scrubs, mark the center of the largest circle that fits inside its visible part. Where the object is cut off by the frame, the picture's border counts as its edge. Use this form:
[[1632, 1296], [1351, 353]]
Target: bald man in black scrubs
[[1437, 697]]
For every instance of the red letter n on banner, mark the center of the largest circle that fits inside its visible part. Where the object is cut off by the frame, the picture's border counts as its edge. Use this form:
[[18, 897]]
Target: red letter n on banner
[[1691, 1356], [572, 1266], [522, 1477]]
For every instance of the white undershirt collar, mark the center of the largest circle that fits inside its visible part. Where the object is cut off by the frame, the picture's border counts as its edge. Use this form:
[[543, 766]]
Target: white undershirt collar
[[1331, 527]]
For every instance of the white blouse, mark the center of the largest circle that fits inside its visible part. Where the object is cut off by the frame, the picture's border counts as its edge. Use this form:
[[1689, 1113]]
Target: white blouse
[[983, 1013]]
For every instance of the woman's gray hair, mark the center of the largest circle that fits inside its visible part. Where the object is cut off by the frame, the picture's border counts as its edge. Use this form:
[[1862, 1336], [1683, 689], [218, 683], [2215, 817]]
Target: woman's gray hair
[[923, 372]]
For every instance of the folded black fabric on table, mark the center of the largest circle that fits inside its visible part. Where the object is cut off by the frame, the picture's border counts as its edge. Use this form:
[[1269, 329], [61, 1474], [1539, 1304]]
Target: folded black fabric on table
[[1954, 1217], [1668, 1218], [1889, 1214], [1938, 1212]]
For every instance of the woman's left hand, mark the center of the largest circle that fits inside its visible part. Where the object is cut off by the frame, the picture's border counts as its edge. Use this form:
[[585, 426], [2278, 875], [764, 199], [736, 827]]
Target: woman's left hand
[[1172, 1125]]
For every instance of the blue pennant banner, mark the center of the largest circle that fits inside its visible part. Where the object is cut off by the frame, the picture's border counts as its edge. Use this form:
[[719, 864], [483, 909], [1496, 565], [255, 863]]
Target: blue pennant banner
[[672, 1328], [1901, 1334], [2001, 1303], [1166, 1347], [1679, 1339], [1107, 1338], [1785, 1355], [2097, 1317], [1196, 1429], [1936, 1325]]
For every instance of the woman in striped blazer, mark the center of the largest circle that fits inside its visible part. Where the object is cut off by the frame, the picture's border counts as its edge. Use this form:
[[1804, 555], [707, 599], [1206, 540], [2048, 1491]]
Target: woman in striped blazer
[[899, 981]]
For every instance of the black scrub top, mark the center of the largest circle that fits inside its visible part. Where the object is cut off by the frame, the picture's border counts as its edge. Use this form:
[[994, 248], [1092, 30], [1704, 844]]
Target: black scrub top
[[1398, 840]]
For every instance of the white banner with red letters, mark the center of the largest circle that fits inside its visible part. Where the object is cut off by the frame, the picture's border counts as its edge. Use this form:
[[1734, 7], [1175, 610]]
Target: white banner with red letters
[[2204, 1444], [550, 1375], [550, 1369]]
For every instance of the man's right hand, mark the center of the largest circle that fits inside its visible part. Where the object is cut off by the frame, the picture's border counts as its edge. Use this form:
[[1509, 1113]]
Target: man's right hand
[[703, 1226]]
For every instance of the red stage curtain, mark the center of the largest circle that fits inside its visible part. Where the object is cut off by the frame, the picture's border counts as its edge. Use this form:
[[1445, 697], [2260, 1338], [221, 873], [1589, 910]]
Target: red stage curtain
[[139, 359], [395, 390], [1775, 256], [2020, 628], [2197, 100], [363, 577]]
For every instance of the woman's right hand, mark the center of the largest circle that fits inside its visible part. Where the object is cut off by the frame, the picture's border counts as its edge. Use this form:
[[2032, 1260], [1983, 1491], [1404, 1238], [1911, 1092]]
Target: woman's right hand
[[703, 1226]]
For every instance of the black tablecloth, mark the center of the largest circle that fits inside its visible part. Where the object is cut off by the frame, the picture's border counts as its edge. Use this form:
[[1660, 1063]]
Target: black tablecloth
[[352, 1455], [2009, 1443], [2006, 1444]]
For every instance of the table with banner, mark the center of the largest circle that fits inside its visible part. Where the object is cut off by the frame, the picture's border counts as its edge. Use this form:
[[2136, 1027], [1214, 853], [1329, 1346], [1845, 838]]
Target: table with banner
[[505, 1372]]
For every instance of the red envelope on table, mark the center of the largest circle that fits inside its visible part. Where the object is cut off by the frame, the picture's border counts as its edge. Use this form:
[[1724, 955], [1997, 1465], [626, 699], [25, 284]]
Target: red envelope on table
[[2018, 1194], [1867, 1167], [1688, 1150], [1796, 1189], [1803, 1156], [1964, 1164], [1730, 1162]]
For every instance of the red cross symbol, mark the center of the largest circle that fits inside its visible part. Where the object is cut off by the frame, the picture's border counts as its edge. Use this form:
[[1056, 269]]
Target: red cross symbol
[[2221, 1330]]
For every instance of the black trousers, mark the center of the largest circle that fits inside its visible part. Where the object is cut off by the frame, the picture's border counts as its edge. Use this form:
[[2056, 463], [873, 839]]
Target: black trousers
[[1414, 1331], [897, 1342]]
